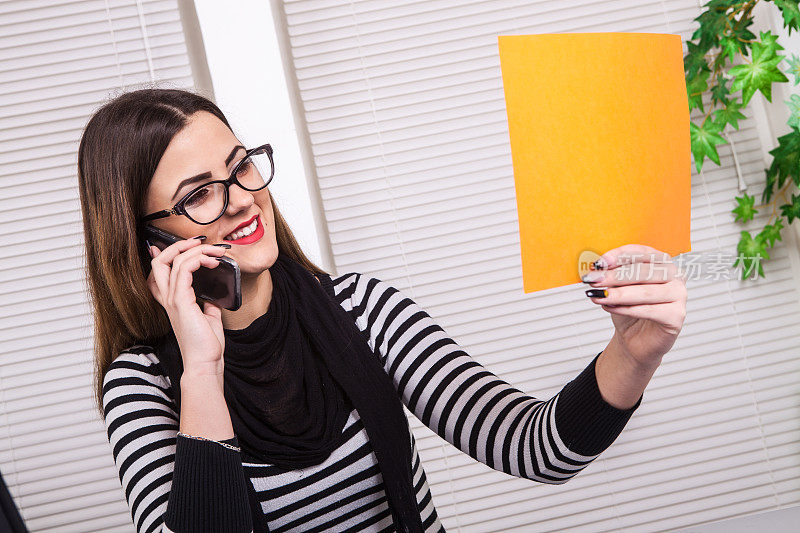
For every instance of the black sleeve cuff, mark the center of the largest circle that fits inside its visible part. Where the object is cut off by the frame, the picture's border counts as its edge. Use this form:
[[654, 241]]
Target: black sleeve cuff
[[209, 489], [586, 423]]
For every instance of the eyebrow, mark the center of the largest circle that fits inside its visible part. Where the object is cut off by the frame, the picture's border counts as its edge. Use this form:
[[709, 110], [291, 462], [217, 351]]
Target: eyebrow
[[205, 175]]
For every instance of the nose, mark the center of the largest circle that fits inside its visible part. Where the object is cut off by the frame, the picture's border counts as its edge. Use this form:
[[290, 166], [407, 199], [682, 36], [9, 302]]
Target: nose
[[238, 199]]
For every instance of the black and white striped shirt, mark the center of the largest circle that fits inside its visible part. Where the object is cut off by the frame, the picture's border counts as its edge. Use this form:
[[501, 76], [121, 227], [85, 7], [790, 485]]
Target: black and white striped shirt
[[548, 441]]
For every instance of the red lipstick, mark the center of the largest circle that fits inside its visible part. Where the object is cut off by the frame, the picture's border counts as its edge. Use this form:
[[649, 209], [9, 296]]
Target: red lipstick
[[253, 237]]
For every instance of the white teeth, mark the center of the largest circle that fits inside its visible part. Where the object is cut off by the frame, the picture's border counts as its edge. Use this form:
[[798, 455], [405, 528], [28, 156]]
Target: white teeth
[[244, 232]]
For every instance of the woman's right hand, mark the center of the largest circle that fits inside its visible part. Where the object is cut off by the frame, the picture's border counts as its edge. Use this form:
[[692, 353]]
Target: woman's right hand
[[199, 333]]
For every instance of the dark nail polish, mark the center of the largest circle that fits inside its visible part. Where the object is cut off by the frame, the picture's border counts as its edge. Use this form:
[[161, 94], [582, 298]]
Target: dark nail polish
[[199, 237], [599, 265], [597, 293], [222, 245]]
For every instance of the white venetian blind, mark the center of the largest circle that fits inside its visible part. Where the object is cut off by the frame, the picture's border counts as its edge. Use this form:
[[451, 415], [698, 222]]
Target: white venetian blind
[[405, 112], [59, 61]]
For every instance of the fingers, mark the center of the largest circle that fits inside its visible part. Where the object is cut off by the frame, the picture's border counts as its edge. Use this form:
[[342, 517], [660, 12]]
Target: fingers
[[644, 295], [168, 254], [172, 268], [632, 253], [179, 259], [180, 275], [633, 273], [641, 282], [670, 315]]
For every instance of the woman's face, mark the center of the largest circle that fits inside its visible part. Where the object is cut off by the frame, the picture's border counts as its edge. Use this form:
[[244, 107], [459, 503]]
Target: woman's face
[[203, 146]]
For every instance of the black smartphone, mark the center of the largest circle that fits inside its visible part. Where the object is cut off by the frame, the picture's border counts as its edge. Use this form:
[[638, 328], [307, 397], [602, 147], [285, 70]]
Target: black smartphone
[[221, 285]]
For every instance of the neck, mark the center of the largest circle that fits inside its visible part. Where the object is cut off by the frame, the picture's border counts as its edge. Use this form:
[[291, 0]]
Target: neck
[[256, 296]]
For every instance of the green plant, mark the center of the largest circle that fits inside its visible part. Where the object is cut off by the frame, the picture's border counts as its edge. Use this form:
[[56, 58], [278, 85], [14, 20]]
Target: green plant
[[722, 37]]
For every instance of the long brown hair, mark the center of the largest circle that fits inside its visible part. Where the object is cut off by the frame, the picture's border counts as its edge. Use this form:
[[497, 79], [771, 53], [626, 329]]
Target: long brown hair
[[118, 154]]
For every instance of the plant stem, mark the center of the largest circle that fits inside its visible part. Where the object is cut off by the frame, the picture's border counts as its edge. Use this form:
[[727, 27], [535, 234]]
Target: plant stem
[[749, 7], [781, 191]]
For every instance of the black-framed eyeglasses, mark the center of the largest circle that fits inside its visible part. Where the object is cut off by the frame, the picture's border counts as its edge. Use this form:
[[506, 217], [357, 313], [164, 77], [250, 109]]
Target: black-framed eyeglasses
[[206, 203]]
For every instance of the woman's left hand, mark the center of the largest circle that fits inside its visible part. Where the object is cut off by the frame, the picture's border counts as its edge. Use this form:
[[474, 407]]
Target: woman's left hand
[[646, 299]]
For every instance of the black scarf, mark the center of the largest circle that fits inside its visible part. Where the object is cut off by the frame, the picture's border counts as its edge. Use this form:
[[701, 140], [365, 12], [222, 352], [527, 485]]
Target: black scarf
[[293, 375]]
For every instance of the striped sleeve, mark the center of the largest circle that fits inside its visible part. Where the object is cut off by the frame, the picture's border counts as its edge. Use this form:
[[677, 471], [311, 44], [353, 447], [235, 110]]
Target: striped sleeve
[[455, 396], [171, 483]]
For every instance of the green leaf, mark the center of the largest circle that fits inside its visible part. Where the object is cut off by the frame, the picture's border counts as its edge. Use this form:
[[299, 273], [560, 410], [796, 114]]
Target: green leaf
[[792, 211], [712, 25], [794, 111], [757, 76], [742, 35], [786, 158], [791, 14], [694, 61], [794, 67], [751, 253], [720, 92], [771, 233], [745, 211], [736, 40], [763, 70], [704, 140], [695, 87], [724, 4], [772, 175], [729, 114], [728, 45], [767, 48]]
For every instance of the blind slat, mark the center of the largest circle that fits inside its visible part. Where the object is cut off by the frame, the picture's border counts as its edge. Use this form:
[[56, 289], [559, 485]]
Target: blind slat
[[59, 62]]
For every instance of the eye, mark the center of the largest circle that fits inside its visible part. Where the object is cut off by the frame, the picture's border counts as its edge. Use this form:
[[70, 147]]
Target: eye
[[197, 197], [244, 167]]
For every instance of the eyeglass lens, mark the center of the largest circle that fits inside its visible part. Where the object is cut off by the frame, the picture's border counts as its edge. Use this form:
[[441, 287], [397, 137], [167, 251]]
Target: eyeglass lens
[[207, 203]]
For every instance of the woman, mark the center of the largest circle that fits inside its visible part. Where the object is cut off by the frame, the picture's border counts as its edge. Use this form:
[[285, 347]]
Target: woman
[[286, 414]]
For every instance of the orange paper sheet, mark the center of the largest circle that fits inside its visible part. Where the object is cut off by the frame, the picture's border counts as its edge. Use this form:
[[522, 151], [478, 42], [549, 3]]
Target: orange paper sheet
[[599, 129]]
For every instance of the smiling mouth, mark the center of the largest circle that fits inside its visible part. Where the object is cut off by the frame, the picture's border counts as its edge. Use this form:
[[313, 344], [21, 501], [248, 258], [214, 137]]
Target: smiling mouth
[[256, 235]]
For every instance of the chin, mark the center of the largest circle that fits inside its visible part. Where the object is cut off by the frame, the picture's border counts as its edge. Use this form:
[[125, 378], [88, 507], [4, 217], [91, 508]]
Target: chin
[[260, 262]]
